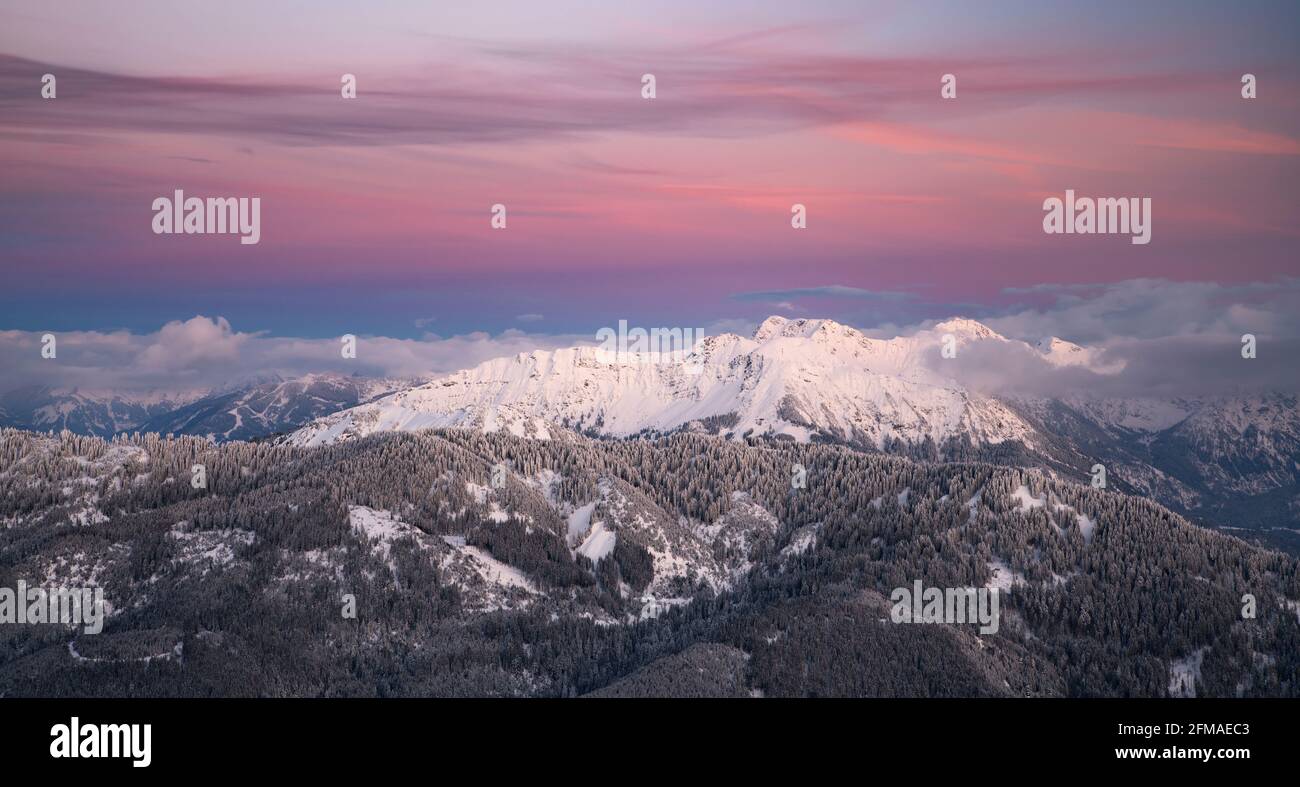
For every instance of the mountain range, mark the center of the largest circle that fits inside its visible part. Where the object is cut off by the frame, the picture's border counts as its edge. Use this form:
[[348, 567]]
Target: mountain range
[[244, 410], [733, 523], [1227, 462], [1224, 461]]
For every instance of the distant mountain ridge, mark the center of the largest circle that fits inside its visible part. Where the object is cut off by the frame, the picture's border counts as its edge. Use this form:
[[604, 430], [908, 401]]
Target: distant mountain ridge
[[241, 410], [98, 413], [269, 407]]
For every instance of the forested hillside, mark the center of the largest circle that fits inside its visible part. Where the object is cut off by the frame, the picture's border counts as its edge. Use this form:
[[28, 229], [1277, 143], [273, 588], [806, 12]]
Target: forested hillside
[[611, 567]]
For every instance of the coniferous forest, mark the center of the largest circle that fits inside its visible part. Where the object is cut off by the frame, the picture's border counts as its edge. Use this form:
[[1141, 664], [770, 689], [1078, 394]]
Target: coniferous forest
[[689, 565]]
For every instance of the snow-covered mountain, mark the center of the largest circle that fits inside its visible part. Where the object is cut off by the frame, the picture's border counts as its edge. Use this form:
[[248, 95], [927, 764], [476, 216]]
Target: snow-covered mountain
[[1232, 461], [802, 379], [1059, 352], [240, 410], [99, 413], [269, 406], [1228, 461]]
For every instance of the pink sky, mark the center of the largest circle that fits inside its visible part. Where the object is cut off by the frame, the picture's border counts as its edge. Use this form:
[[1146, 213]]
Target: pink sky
[[376, 210]]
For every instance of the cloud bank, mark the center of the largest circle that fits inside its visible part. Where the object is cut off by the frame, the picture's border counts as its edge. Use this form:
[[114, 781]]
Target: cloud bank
[[203, 353], [1170, 340]]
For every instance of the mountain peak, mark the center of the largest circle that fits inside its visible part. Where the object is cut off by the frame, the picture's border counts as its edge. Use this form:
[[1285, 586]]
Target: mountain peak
[[777, 326], [1051, 344], [1059, 352], [963, 326]]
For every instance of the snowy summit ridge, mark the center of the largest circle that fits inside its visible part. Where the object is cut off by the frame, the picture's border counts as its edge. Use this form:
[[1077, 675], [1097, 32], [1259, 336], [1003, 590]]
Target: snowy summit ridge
[[797, 378]]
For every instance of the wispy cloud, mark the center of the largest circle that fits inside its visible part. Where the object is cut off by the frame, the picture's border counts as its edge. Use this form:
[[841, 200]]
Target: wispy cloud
[[728, 91], [825, 291]]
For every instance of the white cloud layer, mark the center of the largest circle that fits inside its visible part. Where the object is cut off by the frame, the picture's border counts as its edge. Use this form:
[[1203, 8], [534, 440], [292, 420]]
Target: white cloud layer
[[202, 353], [1173, 339]]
